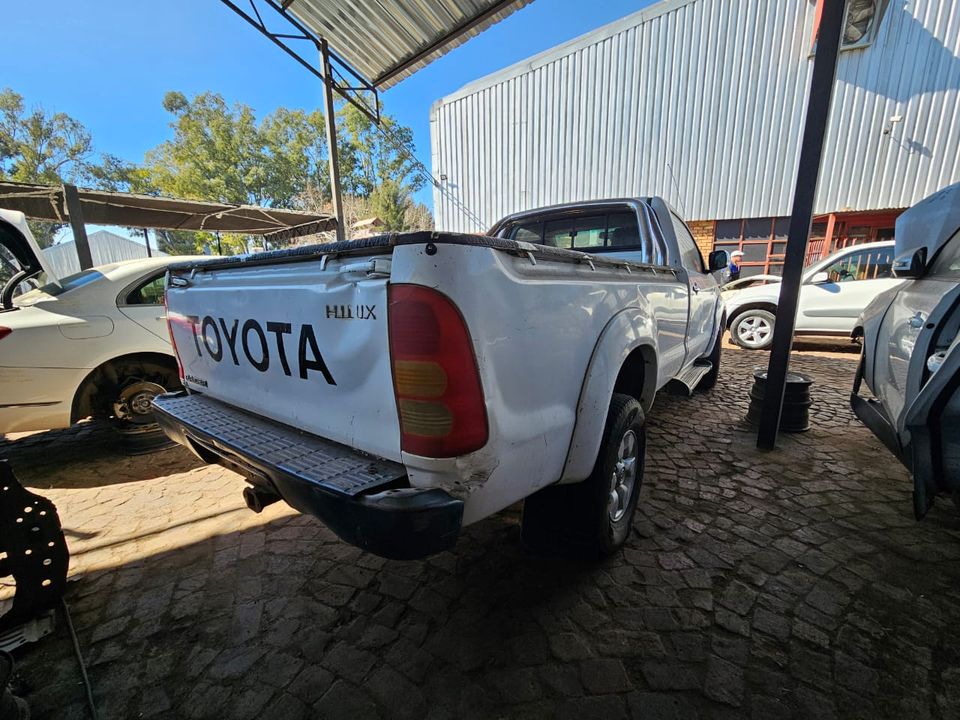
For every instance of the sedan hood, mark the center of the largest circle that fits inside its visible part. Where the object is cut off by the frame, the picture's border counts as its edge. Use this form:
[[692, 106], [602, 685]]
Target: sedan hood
[[930, 223]]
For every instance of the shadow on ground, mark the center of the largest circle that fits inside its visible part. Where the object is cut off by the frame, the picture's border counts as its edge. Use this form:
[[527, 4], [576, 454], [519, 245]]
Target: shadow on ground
[[791, 583], [85, 455]]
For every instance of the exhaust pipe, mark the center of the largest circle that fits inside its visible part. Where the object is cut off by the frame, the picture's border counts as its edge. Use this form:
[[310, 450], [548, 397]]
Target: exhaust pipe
[[258, 498]]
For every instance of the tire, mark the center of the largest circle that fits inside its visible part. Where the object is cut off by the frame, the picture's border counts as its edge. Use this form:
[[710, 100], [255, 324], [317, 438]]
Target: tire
[[593, 517], [753, 329], [710, 379]]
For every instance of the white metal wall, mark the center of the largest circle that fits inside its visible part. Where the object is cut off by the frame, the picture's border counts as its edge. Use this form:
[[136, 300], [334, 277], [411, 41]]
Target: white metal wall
[[701, 101], [105, 247]]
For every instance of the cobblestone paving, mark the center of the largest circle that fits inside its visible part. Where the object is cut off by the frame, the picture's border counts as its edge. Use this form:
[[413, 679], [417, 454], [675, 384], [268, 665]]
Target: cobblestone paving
[[755, 585]]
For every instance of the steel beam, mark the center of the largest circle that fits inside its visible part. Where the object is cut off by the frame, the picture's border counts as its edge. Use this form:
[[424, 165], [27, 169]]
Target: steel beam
[[330, 118], [71, 199], [811, 152]]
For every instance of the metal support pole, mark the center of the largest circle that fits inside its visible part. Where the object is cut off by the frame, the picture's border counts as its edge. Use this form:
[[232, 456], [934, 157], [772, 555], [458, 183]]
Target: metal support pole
[[71, 199], [811, 151], [146, 239], [331, 120]]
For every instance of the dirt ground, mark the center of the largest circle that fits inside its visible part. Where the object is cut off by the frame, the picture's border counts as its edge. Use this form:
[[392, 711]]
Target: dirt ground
[[785, 584]]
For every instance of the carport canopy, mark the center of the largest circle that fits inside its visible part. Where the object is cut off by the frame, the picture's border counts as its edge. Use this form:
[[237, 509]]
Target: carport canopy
[[50, 202], [389, 40]]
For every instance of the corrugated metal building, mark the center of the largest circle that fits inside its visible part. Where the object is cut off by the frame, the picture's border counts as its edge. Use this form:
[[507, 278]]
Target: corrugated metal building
[[702, 102], [105, 247]]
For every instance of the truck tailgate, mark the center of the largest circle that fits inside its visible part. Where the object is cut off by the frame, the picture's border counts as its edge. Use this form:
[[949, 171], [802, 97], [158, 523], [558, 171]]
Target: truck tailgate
[[302, 343]]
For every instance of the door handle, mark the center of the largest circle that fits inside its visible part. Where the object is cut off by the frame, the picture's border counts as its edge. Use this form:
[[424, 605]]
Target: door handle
[[695, 287], [916, 322]]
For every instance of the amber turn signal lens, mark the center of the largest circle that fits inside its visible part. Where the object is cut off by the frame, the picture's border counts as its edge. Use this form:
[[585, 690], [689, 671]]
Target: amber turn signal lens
[[419, 379], [426, 419]]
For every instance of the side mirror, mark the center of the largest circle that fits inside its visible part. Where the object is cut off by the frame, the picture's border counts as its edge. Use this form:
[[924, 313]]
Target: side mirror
[[820, 278], [911, 264], [718, 260]]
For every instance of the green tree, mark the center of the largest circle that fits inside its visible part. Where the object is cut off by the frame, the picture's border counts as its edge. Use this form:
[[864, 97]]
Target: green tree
[[223, 153], [38, 147], [375, 156], [41, 147]]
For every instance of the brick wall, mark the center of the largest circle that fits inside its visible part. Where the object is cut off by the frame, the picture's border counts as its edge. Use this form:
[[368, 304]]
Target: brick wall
[[704, 233]]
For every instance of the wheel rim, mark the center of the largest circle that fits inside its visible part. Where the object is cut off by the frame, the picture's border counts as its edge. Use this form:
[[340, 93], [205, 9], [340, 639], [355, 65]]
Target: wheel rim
[[754, 331], [623, 479], [133, 405]]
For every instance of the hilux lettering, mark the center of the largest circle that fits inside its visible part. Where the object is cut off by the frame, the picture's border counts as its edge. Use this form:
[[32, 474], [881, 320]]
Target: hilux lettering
[[211, 334], [352, 312]]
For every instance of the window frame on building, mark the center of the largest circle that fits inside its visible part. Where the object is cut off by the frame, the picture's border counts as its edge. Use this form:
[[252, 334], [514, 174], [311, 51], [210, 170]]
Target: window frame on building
[[880, 7], [774, 240]]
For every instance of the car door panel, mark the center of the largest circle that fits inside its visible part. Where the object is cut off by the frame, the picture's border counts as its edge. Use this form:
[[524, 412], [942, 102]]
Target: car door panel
[[143, 304], [835, 306], [855, 278], [900, 333]]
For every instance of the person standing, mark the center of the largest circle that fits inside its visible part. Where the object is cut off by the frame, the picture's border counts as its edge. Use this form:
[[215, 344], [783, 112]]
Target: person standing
[[734, 267]]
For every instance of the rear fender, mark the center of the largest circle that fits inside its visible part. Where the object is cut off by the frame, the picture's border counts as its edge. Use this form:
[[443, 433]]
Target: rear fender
[[630, 330]]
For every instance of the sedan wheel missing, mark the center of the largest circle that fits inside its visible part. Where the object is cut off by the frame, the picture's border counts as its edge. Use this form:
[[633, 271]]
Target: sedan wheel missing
[[134, 403]]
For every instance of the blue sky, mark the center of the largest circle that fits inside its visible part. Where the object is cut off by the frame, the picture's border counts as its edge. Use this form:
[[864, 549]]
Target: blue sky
[[108, 63]]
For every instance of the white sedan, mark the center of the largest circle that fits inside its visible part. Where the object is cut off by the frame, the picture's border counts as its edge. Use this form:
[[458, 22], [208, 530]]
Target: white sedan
[[835, 291], [90, 344]]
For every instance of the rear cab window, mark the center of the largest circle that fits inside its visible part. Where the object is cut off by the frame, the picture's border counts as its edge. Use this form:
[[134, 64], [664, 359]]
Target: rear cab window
[[591, 230]]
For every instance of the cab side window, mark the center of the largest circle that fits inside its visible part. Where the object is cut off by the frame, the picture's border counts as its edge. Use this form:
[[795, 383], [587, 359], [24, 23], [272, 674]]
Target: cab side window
[[149, 292], [690, 256]]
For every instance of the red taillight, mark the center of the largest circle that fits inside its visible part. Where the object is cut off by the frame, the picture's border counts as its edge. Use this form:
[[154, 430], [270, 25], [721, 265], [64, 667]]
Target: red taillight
[[4, 331], [173, 341], [435, 377]]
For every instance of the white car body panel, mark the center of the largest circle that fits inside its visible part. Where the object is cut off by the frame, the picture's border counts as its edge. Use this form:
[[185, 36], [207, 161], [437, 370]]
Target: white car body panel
[[58, 339], [827, 308]]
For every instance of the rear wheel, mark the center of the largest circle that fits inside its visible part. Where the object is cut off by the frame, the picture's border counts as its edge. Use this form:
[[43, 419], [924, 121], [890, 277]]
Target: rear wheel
[[594, 517], [753, 329], [127, 399]]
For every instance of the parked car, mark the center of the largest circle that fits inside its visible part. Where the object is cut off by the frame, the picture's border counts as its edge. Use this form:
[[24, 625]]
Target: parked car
[[835, 291], [93, 343], [729, 288], [403, 386], [911, 351]]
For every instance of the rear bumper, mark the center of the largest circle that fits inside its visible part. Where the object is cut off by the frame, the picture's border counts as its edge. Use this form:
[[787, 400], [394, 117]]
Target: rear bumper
[[364, 500]]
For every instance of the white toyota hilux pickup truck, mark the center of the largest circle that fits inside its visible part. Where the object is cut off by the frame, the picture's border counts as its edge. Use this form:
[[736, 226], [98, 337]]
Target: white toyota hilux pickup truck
[[403, 386]]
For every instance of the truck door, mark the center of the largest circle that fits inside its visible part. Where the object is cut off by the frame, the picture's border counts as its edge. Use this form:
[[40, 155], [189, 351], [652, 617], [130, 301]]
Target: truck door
[[704, 294]]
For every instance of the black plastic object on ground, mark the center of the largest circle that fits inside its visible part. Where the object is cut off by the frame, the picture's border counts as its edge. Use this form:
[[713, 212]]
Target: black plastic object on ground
[[142, 440], [32, 549], [795, 416], [11, 707]]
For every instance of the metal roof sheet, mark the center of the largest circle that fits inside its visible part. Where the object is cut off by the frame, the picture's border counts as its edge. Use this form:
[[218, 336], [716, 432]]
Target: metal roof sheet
[[46, 202], [387, 41]]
